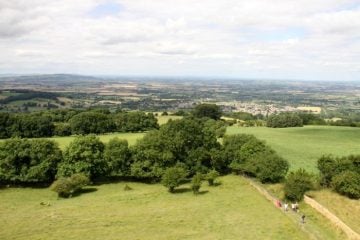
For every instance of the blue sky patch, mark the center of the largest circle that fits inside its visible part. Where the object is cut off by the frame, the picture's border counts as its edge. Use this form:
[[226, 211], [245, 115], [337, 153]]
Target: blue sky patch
[[106, 9]]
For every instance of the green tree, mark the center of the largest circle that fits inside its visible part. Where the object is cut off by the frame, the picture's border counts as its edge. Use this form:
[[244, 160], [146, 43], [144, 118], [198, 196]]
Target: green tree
[[135, 121], [84, 155], [118, 157], [267, 167], [206, 110], [175, 141], [173, 177], [23, 160], [32, 126], [347, 183], [196, 182], [6, 121], [211, 177], [284, 120], [297, 184], [91, 122]]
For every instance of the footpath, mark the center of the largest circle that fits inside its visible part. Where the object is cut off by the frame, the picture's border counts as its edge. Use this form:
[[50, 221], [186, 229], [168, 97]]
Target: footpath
[[308, 227]]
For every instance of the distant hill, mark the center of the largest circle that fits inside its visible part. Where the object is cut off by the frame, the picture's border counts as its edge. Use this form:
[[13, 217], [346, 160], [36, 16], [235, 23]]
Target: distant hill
[[50, 78]]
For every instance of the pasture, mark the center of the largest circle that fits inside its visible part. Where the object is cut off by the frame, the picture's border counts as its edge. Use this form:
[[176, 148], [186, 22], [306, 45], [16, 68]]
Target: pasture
[[303, 146], [232, 210]]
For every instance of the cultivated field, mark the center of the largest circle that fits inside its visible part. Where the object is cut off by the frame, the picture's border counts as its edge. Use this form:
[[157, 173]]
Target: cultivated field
[[303, 146], [232, 210]]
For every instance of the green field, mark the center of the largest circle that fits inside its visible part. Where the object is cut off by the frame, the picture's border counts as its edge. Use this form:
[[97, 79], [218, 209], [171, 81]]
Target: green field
[[232, 210], [130, 137], [303, 146], [164, 119]]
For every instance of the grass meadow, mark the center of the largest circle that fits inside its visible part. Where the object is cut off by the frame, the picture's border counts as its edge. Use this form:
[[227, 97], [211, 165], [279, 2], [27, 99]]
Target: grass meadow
[[303, 146], [231, 210]]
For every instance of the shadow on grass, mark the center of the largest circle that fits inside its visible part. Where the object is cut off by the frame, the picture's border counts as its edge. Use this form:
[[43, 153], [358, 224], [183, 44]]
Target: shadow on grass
[[216, 184], [84, 191], [181, 190], [202, 192]]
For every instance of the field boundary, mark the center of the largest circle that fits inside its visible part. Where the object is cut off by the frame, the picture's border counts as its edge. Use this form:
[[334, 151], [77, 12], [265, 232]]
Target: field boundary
[[332, 217]]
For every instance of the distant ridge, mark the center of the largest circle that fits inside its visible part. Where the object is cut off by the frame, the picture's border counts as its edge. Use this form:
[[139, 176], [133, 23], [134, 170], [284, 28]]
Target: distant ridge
[[50, 77]]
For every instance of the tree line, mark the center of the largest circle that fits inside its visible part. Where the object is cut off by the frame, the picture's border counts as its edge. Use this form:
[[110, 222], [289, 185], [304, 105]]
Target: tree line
[[188, 144], [67, 122]]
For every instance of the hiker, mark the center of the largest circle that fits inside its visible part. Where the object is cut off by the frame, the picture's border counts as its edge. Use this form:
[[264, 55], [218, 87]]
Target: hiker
[[297, 207], [303, 218], [293, 207], [278, 203], [286, 206]]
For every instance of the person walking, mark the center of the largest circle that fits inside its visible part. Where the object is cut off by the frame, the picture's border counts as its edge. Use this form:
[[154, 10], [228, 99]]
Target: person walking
[[286, 207], [303, 218]]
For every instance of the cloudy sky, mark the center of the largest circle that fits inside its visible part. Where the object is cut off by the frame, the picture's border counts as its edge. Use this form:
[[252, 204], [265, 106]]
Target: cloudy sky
[[277, 39]]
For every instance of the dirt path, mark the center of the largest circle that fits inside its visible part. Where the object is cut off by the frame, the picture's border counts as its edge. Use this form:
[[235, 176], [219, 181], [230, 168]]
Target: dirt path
[[333, 218]]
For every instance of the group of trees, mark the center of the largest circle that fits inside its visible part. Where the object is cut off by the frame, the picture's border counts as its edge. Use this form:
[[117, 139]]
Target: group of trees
[[248, 155], [341, 174], [67, 122], [284, 120], [187, 147]]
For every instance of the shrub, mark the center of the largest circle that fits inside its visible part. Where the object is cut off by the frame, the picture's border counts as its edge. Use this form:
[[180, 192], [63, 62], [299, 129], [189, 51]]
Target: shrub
[[172, 177], [66, 187], [297, 183], [347, 183], [211, 177], [196, 182]]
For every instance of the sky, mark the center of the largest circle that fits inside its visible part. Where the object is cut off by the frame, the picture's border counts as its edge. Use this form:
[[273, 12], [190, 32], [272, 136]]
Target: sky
[[277, 39]]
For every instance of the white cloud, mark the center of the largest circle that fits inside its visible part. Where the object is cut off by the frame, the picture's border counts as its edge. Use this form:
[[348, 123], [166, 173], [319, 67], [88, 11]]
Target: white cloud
[[300, 39]]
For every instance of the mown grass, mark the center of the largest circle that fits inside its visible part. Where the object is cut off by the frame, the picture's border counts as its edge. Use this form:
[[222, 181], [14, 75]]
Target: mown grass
[[303, 146], [232, 210]]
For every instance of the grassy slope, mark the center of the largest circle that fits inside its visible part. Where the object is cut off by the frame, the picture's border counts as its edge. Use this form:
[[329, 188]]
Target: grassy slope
[[233, 210], [303, 146], [346, 209]]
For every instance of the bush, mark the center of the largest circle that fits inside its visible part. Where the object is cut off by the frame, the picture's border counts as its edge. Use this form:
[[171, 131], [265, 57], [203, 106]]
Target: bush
[[347, 183], [297, 184], [172, 177], [211, 177], [196, 182], [66, 187]]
